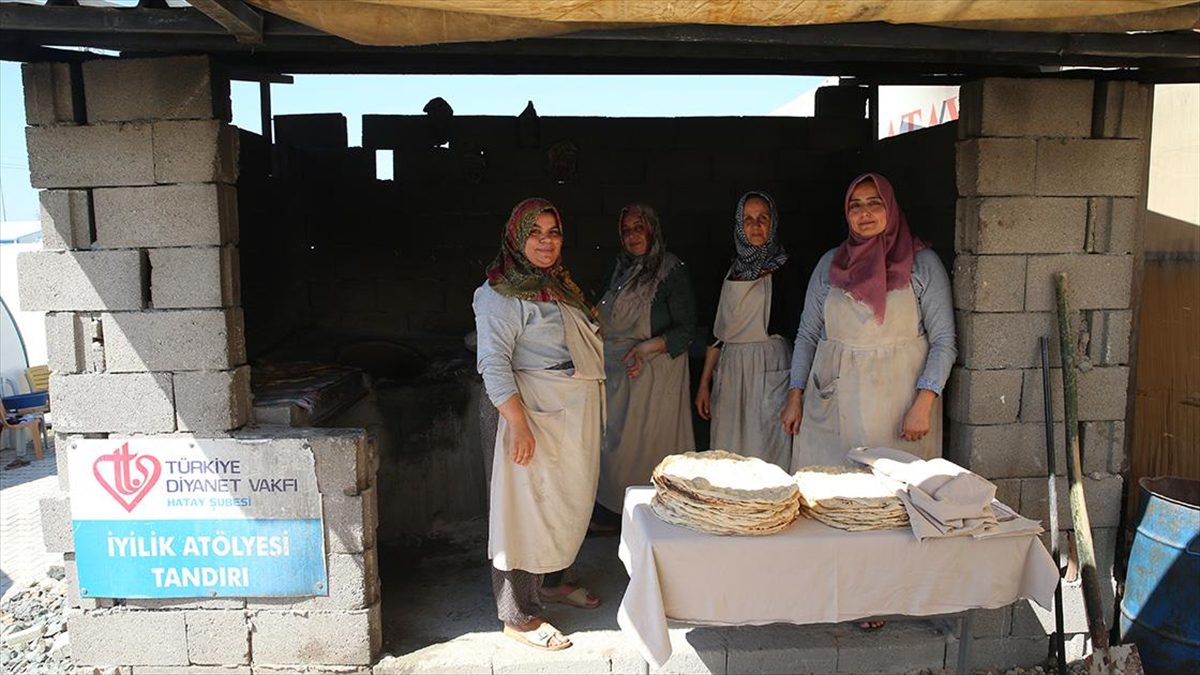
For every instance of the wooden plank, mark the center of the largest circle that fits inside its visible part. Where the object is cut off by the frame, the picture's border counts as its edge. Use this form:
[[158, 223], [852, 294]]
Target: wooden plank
[[235, 16]]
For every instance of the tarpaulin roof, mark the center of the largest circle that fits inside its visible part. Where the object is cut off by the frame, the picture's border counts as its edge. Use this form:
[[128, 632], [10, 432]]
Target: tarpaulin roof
[[419, 22]]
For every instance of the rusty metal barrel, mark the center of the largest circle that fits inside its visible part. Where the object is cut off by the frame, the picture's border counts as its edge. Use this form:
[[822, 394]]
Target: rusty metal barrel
[[1162, 587]]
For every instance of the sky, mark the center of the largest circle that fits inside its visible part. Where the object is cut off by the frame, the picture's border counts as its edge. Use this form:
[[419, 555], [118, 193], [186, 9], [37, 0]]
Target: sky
[[354, 96]]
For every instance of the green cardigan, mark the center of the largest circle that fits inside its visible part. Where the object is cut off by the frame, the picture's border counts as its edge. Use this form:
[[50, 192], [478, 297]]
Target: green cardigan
[[673, 312]]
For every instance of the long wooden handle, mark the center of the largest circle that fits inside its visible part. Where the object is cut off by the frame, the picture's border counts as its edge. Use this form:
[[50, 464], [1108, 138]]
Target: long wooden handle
[[1079, 515]]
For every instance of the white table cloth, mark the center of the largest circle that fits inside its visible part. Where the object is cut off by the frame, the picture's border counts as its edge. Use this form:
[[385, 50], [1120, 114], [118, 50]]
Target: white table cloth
[[811, 573]]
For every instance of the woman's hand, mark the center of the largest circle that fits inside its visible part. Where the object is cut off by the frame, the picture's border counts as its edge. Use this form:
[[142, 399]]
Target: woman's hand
[[635, 357], [793, 411], [521, 444], [916, 420], [702, 402]]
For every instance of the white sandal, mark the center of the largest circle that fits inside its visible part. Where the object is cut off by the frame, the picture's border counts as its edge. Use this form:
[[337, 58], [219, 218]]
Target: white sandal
[[539, 638]]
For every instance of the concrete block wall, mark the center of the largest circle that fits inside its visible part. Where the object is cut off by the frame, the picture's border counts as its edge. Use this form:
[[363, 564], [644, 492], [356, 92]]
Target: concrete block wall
[[1049, 175], [400, 258], [139, 277]]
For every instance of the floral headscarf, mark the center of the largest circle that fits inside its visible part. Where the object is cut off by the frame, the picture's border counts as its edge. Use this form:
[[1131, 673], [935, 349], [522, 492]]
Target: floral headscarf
[[751, 262], [634, 270], [511, 274], [867, 268]]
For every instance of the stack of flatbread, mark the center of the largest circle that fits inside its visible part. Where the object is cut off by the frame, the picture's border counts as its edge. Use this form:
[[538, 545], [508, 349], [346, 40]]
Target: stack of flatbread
[[849, 499], [720, 492]]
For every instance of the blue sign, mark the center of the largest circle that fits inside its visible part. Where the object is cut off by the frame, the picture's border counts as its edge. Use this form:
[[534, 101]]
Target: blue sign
[[190, 518]]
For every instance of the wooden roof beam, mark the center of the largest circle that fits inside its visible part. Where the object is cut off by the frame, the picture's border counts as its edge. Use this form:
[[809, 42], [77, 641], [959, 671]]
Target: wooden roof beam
[[235, 16]]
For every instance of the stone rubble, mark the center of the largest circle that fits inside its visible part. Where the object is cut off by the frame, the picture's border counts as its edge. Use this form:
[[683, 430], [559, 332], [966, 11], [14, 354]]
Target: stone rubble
[[33, 627]]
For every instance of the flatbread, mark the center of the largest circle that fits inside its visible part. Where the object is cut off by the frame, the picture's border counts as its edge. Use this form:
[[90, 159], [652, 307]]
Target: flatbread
[[849, 499], [720, 492]]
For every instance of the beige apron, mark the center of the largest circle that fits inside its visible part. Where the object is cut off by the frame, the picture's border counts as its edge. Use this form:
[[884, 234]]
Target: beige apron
[[751, 380], [539, 513], [649, 417], [863, 381]]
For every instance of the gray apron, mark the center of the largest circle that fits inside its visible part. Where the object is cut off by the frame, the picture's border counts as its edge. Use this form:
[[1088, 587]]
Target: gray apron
[[864, 380], [750, 384], [649, 417]]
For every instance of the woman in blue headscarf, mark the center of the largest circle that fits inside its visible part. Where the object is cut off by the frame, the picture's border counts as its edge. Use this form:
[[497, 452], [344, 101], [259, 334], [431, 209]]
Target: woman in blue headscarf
[[747, 364]]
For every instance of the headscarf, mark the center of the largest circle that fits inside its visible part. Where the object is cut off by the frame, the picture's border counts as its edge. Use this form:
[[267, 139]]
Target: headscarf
[[511, 274], [635, 270], [751, 262], [867, 268]]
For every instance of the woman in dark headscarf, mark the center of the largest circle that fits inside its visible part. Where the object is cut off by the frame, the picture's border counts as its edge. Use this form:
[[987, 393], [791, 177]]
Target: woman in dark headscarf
[[648, 314], [747, 364], [541, 357], [876, 339]]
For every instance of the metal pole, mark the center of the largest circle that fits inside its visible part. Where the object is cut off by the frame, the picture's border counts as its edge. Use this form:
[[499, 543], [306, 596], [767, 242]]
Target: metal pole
[[966, 626], [1052, 491], [264, 97]]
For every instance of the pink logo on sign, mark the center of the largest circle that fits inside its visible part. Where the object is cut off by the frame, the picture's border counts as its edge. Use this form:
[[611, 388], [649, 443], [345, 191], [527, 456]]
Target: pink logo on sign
[[124, 487]]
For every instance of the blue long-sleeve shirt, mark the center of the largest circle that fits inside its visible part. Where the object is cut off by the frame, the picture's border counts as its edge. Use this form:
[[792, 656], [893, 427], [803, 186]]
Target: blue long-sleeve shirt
[[930, 284]]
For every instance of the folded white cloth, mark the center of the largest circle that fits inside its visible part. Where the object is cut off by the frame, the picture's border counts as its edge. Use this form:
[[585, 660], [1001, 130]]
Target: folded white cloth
[[942, 498]]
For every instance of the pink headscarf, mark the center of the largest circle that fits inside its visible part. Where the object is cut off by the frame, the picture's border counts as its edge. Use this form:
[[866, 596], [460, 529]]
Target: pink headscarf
[[867, 268]]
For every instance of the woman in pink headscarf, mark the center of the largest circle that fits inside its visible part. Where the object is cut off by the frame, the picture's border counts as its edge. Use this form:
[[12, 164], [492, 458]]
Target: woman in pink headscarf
[[876, 339]]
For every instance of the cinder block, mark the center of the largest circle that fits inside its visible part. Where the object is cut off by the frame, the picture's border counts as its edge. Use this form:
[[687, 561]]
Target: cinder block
[[998, 654], [305, 669], [133, 638], [1111, 224], [694, 650], [352, 581], [196, 277], [186, 339], [195, 151], [1108, 336], [349, 528], [74, 601], [1090, 167], [156, 604], [90, 156], [989, 283], [1103, 447], [1004, 450], [1022, 224], [1029, 618], [1101, 394], [50, 94], [66, 218], [1125, 108], [781, 648], [996, 166], [193, 670], [318, 638], [984, 396], [1094, 281], [991, 622], [1103, 497], [81, 280], [902, 646], [57, 534], [166, 215], [180, 87], [212, 401], [343, 458], [1002, 340], [102, 402], [64, 342], [217, 637], [1008, 491], [1026, 107]]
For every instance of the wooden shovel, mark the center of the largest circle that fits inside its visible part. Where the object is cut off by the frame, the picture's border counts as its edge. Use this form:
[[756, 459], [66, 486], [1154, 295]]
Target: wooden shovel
[[1104, 660]]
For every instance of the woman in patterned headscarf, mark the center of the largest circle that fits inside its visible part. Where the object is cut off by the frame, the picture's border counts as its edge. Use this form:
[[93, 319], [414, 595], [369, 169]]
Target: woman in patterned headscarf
[[876, 338], [747, 363], [649, 315], [541, 357]]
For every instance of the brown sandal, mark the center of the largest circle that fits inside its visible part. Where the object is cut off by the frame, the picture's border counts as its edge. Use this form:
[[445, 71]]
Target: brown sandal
[[581, 598]]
